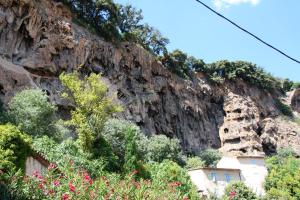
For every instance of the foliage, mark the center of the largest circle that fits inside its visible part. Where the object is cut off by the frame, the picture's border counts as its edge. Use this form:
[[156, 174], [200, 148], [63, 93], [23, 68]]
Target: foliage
[[76, 183], [194, 163], [131, 151], [297, 120], [287, 85], [93, 107], [159, 147], [238, 191], [101, 15], [31, 112], [3, 114], [150, 38], [115, 131], [177, 62], [242, 70], [170, 173], [283, 180], [210, 157], [68, 150], [283, 108], [14, 147]]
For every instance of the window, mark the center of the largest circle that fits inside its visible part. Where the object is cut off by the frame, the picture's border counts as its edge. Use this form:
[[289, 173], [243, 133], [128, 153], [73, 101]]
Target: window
[[227, 178], [213, 176], [253, 162]]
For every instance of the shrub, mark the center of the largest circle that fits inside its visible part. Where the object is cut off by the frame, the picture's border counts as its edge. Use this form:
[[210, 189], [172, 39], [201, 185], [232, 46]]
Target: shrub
[[76, 183], [68, 150], [114, 133], [159, 147], [238, 191], [93, 108], [283, 108], [31, 112], [3, 114], [283, 180], [194, 162], [170, 173], [14, 147], [210, 157]]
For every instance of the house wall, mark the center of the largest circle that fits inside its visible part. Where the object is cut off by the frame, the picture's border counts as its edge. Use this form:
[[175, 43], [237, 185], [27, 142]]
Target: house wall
[[253, 170], [205, 183], [33, 165]]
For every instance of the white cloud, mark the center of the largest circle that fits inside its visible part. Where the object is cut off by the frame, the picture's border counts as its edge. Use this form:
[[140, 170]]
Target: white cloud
[[226, 3]]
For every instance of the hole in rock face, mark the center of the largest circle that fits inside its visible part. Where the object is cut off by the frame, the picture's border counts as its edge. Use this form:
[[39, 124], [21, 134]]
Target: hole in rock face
[[238, 110], [226, 130], [269, 149], [233, 141], [2, 90], [243, 150]]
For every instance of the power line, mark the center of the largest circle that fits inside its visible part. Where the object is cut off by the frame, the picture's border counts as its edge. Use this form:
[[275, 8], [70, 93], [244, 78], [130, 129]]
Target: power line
[[251, 34]]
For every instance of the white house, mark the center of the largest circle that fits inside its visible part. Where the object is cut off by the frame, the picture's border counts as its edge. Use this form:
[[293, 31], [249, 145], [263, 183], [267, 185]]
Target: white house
[[253, 170], [249, 169], [213, 180]]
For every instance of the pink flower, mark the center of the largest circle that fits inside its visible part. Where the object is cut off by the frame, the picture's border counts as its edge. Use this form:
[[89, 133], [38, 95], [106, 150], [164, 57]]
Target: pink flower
[[185, 198], [35, 173], [87, 178], [51, 166], [65, 196], [232, 194], [40, 186], [72, 187], [175, 184], [56, 183]]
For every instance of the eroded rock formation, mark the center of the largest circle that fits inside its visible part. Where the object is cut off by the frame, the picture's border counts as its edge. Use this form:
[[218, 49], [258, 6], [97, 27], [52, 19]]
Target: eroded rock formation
[[38, 41]]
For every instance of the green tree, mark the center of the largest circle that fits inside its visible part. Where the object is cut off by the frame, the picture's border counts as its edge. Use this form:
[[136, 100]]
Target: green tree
[[176, 62], [238, 191], [93, 107], [31, 112], [14, 147], [210, 157], [283, 180], [130, 18], [131, 152], [159, 147], [115, 133], [287, 85]]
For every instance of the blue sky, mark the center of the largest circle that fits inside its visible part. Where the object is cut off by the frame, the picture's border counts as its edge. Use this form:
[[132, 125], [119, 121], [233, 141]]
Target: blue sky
[[197, 31]]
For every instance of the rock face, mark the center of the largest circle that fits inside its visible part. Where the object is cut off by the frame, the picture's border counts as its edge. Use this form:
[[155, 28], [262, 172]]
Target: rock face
[[38, 41], [296, 100]]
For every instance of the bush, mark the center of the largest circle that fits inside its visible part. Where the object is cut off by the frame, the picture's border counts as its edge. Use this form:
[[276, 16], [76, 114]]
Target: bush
[[238, 191], [114, 133], [170, 173], [210, 157], [194, 163], [68, 150], [31, 112], [283, 180], [76, 183], [283, 108], [159, 147], [14, 147]]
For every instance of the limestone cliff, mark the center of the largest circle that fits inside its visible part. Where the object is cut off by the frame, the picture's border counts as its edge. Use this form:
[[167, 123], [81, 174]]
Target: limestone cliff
[[38, 41]]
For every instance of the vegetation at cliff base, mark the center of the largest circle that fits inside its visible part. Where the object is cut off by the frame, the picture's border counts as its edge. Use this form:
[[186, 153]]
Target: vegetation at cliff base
[[107, 159], [283, 180]]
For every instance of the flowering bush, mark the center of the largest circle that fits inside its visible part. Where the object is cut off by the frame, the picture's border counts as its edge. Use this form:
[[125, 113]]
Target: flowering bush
[[76, 183]]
